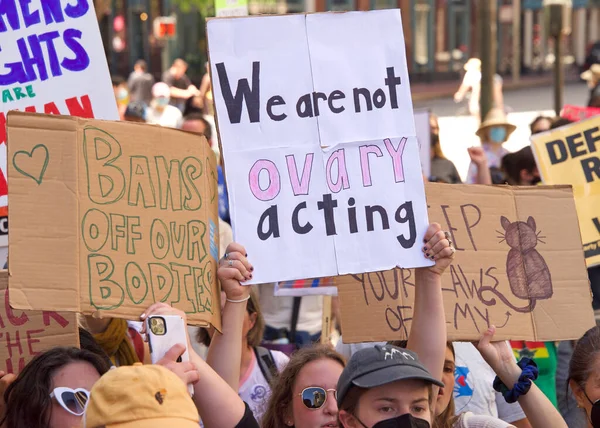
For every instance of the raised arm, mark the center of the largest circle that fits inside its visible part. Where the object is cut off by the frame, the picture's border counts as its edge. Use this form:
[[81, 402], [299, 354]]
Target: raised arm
[[539, 410], [211, 393], [479, 159], [225, 351], [428, 329]]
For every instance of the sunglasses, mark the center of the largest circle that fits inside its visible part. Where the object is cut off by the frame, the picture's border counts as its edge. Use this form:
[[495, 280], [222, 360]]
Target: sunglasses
[[72, 400], [314, 397]]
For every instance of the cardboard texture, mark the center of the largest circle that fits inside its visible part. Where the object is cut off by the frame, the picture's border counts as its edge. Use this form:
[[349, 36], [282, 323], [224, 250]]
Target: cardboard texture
[[111, 217], [519, 266], [25, 334], [568, 155]]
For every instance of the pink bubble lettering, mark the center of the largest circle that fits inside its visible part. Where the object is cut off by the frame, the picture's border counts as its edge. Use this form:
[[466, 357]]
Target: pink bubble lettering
[[274, 186], [396, 155], [364, 162], [342, 181], [301, 185]]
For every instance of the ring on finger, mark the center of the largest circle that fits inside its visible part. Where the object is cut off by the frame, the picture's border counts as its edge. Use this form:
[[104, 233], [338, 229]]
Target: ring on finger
[[230, 263], [448, 236], [226, 256]]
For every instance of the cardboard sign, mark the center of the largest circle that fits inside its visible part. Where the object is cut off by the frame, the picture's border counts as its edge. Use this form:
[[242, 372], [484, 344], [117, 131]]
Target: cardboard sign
[[52, 61], [320, 148], [569, 155], [111, 217], [306, 287], [576, 113], [25, 334], [518, 265]]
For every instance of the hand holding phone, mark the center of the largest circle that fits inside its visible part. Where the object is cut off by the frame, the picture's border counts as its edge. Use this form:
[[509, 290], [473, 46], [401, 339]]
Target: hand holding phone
[[167, 336]]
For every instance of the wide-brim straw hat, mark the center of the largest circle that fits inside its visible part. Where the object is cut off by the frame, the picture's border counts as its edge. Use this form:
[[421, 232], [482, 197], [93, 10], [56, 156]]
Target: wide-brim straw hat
[[592, 72], [495, 117], [472, 64]]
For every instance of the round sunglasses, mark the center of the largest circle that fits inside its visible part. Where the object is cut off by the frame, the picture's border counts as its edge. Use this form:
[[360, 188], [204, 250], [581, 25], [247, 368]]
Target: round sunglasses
[[314, 397], [72, 400]]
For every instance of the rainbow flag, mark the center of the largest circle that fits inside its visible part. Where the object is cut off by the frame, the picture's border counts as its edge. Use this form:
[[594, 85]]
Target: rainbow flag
[[306, 287]]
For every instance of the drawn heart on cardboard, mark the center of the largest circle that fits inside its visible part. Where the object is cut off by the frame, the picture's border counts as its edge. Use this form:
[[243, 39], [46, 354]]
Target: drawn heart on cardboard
[[32, 164]]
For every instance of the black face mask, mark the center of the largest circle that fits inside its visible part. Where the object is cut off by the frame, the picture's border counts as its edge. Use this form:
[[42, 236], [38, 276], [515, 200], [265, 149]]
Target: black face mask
[[595, 413], [403, 421]]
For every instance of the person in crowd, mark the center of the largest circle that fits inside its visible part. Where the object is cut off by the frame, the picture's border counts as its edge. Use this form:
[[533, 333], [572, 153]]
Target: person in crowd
[[160, 112], [259, 366], [206, 93], [180, 85], [305, 394], [592, 77], [584, 376], [442, 169], [135, 112], [121, 94], [445, 410], [218, 377], [142, 397], [473, 390], [567, 404], [520, 168], [140, 83], [560, 122], [472, 81], [52, 389], [493, 132], [386, 386], [295, 320], [540, 124], [196, 123]]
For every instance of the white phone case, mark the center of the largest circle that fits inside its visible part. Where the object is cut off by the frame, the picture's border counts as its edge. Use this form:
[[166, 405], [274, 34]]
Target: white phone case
[[175, 334]]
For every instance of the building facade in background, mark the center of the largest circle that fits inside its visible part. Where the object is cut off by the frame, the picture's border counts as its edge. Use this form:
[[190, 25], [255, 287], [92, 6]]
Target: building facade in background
[[441, 35]]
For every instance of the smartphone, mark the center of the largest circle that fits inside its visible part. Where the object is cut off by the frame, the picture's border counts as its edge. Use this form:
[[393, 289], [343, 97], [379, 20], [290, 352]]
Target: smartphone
[[164, 332]]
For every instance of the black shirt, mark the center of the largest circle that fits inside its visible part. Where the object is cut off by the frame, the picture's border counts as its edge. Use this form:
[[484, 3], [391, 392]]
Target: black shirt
[[248, 420]]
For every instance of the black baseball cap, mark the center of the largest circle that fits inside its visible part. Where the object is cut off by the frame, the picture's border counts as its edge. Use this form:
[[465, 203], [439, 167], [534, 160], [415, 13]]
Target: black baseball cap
[[380, 365]]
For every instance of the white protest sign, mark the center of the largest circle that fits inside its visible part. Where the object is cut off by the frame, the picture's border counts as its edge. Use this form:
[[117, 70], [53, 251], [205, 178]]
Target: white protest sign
[[320, 148], [423, 129], [51, 61]]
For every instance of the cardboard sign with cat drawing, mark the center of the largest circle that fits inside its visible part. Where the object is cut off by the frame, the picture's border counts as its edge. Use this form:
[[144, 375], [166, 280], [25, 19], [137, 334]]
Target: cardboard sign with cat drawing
[[519, 265]]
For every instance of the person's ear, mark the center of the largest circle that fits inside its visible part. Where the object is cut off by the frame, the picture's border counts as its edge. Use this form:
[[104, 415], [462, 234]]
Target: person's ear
[[347, 419], [578, 393], [252, 318]]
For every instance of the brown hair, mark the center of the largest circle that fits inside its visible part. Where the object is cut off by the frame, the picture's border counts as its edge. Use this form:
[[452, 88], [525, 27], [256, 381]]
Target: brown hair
[[585, 353], [283, 390], [447, 418], [255, 334]]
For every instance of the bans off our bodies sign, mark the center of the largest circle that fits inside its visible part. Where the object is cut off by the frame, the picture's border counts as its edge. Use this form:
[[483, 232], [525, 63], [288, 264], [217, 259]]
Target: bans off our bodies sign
[[130, 218], [319, 143]]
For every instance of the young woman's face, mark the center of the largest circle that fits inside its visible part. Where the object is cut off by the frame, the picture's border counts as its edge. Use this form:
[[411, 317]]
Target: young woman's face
[[323, 373], [445, 393], [390, 401], [587, 396], [74, 375]]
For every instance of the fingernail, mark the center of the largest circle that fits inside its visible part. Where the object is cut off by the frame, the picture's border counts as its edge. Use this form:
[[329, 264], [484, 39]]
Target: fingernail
[[424, 240], [251, 268], [425, 248], [143, 316], [432, 257], [246, 255], [250, 276], [427, 254]]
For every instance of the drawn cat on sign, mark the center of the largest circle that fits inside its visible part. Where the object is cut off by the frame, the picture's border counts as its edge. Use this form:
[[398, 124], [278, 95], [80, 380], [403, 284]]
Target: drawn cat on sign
[[527, 271]]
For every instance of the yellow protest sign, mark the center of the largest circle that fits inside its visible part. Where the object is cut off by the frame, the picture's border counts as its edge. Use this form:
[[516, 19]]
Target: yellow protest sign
[[568, 155]]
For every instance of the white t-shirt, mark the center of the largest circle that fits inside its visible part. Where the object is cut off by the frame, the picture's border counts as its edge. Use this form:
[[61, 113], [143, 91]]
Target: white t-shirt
[[473, 390], [277, 311], [254, 388], [170, 117]]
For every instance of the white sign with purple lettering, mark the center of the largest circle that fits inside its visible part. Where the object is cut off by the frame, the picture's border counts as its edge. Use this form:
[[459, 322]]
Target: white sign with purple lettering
[[319, 141]]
